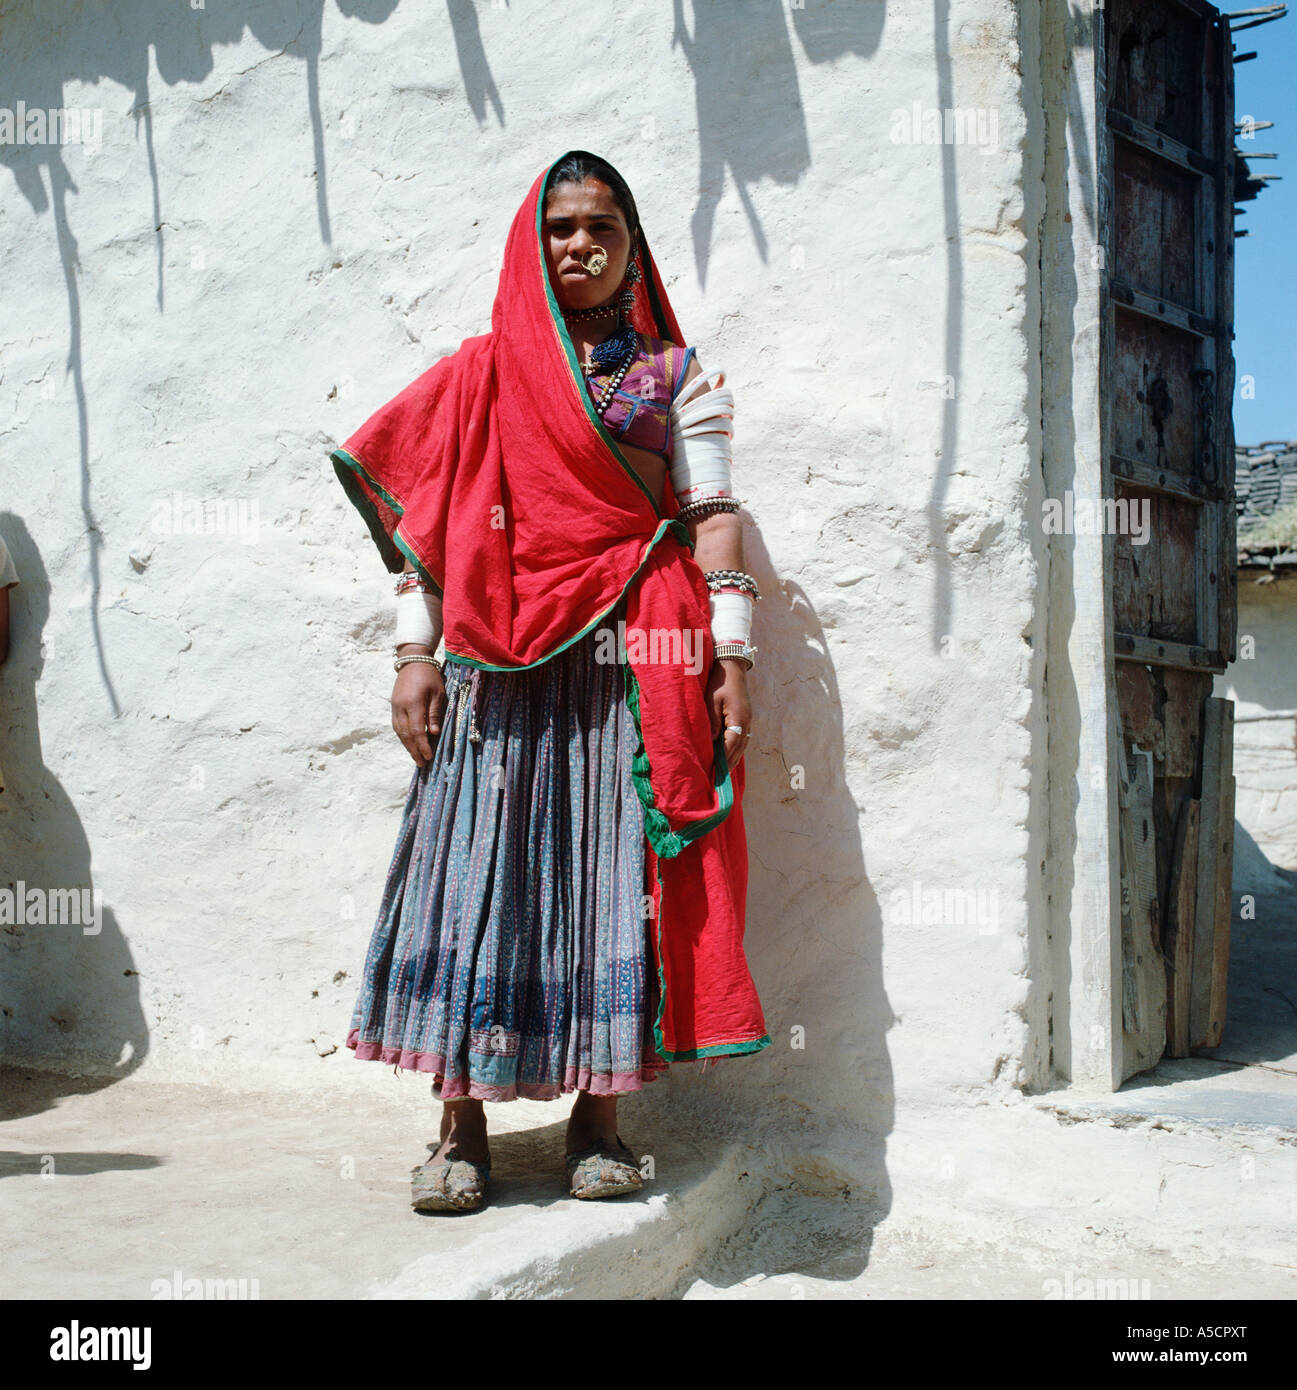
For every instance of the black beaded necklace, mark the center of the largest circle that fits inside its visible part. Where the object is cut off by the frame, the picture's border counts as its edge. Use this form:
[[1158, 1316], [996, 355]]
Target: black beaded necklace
[[600, 311], [615, 354]]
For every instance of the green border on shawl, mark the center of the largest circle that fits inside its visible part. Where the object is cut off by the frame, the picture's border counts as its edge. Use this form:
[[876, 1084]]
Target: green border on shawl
[[693, 1054], [391, 548], [676, 528], [667, 843], [560, 328]]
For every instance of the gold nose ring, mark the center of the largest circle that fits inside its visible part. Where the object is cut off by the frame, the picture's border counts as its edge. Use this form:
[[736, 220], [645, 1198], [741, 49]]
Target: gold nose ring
[[595, 260]]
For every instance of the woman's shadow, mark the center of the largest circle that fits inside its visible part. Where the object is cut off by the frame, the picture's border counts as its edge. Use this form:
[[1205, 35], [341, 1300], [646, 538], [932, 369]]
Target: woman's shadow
[[70, 1013]]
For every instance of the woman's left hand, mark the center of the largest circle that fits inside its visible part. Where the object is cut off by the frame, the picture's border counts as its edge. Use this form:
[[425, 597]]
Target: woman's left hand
[[728, 704]]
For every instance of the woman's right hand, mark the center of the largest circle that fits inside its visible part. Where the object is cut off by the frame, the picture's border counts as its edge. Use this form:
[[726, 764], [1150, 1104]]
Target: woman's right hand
[[418, 704]]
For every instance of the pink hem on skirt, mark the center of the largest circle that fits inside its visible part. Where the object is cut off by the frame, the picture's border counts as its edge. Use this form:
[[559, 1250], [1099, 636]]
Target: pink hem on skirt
[[598, 1084]]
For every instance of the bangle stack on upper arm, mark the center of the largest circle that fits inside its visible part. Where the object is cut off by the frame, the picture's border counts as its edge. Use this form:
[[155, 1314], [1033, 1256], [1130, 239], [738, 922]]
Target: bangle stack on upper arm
[[702, 430]]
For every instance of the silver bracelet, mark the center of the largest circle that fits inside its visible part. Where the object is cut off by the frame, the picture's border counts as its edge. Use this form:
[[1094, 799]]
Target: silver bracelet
[[741, 651], [412, 579], [707, 506], [732, 579], [405, 660]]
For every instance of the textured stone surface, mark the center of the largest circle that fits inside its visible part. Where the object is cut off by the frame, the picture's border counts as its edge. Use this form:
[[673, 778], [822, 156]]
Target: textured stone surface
[[281, 1195]]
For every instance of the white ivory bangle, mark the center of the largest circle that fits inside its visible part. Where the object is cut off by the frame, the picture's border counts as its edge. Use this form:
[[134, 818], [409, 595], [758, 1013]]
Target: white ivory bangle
[[415, 613], [731, 617], [702, 431]]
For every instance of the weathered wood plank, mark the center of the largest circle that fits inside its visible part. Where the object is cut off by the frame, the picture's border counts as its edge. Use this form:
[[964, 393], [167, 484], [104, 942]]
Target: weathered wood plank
[[1169, 797], [1224, 886], [1145, 138], [1178, 940], [1154, 394], [1143, 973], [1148, 651], [1227, 587], [1153, 239], [1140, 708], [1205, 574], [1130, 1018], [1154, 588], [1159, 480], [1147, 914], [1156, 56], [1209, 832], [1182, 698]]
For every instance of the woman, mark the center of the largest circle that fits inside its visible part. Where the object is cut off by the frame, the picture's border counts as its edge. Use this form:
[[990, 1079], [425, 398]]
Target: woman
[[564, 909]]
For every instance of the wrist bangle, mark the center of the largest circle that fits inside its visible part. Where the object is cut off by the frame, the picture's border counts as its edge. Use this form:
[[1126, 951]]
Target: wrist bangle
[[412, 579], [431, 660], [707, 506], [731, 617], [732, 579], [739, 651], [418, 615]]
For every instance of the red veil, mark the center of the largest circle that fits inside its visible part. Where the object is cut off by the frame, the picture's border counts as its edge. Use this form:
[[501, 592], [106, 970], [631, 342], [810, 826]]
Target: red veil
[[493, 473]]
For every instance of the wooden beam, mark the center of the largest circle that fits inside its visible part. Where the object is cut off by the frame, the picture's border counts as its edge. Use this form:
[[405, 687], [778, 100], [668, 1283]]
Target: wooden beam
[[1178, 943], [1143, 982], [1224, 885], [1150, 651], [1163, 310], [1163, 480], [1204, 922], [1155, 142]]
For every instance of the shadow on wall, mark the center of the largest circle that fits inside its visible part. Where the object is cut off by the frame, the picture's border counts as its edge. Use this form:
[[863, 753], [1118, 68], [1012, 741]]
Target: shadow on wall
[[46, 46], [474, 67], [71, 977], [943, 611], [820, 1102], [726, 105]]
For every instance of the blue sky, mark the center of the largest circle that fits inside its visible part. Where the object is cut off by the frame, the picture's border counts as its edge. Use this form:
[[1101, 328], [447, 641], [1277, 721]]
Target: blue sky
[[1265, 277]]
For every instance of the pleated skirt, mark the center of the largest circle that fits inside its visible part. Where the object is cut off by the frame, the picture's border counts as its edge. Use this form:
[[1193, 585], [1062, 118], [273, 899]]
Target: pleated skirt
[[511, 957]]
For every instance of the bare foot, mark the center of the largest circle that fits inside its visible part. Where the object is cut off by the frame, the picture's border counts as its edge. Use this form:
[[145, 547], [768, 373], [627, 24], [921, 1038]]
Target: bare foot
[[463, 1126], [593, 1119]]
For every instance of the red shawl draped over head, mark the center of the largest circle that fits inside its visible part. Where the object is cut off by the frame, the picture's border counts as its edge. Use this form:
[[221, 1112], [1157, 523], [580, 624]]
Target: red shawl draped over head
[[494, 475]]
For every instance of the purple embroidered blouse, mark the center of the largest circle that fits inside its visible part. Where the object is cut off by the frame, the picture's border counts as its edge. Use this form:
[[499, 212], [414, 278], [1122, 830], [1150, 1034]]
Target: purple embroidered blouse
[[639, 412]]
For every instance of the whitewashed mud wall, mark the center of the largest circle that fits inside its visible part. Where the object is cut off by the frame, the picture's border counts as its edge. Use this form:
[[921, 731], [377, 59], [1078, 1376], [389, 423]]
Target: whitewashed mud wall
[[1263, 685], [295, 209]]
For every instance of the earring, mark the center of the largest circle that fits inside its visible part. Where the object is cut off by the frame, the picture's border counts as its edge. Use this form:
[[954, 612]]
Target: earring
[[626, 300]]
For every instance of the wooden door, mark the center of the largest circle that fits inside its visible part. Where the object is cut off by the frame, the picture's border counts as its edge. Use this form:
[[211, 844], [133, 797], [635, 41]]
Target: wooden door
[[1168, 375]]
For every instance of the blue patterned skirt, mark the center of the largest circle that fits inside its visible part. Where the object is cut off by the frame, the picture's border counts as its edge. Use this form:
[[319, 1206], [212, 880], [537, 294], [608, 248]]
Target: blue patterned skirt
[[511, 956]]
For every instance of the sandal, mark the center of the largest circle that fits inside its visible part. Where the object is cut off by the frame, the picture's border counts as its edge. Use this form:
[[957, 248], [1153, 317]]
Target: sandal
[[603, 1170], [451, 1184]]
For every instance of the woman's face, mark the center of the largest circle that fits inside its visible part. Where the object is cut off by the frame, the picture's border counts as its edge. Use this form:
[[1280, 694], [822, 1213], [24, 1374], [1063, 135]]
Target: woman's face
[[578, 217]]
